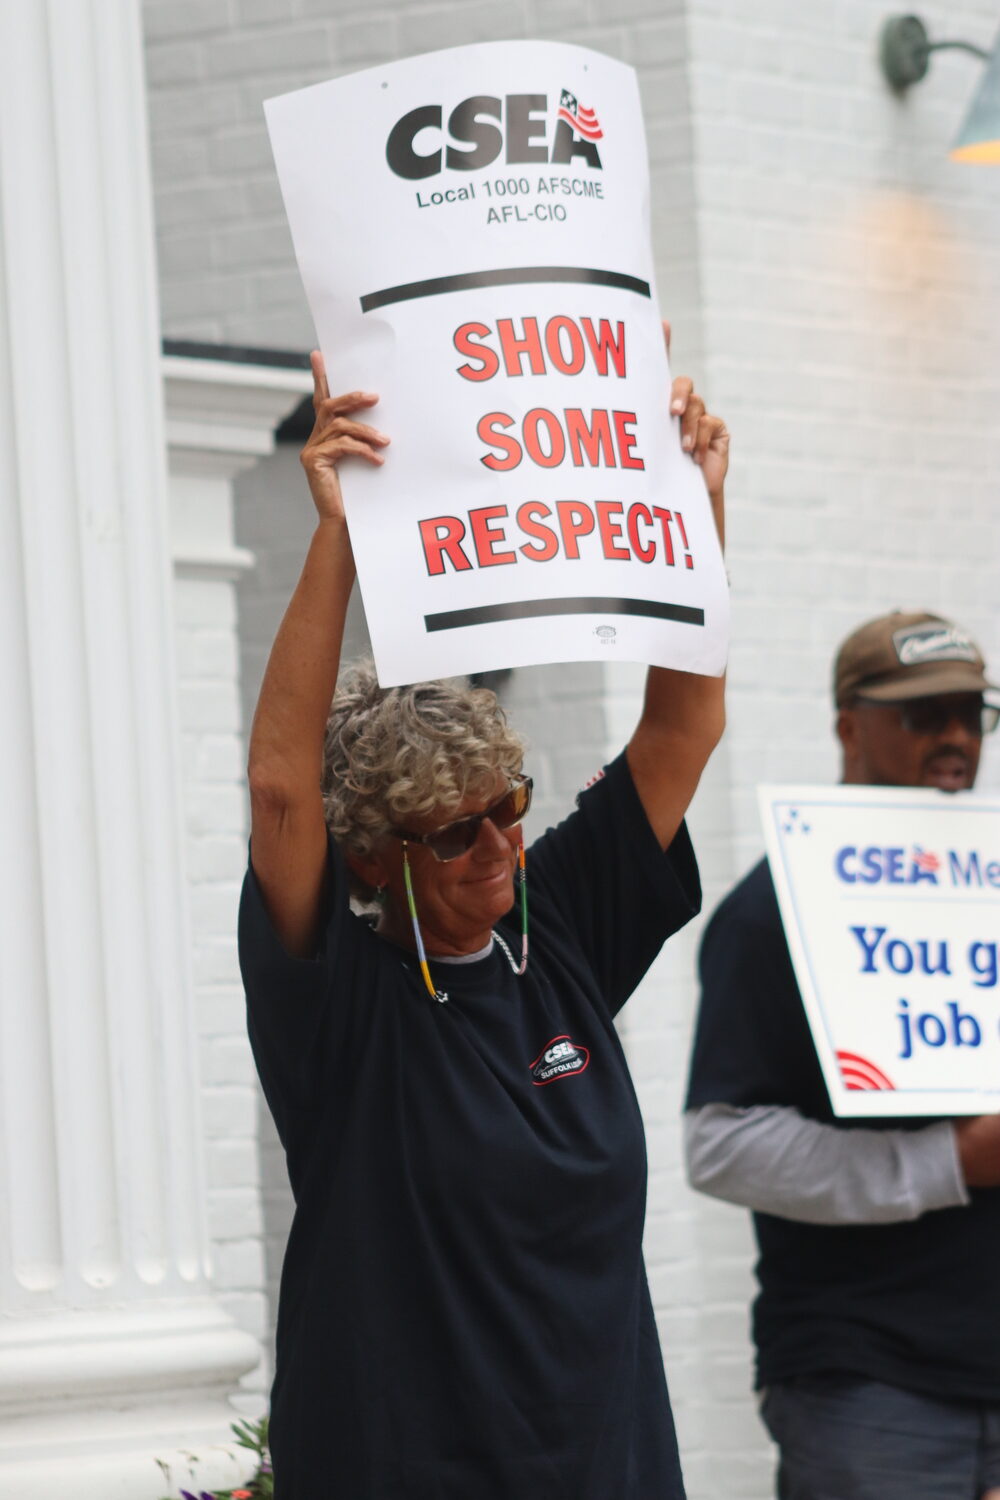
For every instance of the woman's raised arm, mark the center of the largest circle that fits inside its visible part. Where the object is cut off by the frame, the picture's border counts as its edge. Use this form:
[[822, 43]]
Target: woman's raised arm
[[683, 714], [288, 833]]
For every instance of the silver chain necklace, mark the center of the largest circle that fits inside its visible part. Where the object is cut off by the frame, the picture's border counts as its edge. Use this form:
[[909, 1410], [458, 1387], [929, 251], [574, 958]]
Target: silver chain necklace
[[518, 968]]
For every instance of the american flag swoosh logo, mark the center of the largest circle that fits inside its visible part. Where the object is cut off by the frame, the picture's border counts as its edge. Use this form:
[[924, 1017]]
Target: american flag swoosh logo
[[861, 1075], [583, 121]]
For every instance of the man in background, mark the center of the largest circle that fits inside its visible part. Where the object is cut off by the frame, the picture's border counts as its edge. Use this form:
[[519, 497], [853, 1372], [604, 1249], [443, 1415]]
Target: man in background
[[877, 1324]]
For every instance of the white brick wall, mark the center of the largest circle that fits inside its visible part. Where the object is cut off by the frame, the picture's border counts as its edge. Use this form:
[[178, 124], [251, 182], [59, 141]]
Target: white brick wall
[[850, 293], [226, 265], [212, 762], [833, 283]]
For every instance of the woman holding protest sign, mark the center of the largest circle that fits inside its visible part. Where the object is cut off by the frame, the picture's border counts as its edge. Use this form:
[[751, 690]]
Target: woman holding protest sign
[[464, 1309]]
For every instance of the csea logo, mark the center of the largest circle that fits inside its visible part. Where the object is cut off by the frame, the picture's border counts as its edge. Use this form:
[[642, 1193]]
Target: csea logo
[[560, 1058], [482, 127], [875, 864]]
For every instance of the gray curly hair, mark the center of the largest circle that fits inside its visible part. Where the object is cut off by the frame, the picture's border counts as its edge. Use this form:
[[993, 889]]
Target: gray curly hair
[[395, 754]]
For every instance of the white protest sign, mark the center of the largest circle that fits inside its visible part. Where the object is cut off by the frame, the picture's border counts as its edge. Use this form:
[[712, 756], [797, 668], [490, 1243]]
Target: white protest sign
[[890, 900], [472, 229]]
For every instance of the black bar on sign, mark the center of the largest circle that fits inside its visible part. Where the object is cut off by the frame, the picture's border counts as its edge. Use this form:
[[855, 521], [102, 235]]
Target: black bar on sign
[[532, 609], [512, 276]]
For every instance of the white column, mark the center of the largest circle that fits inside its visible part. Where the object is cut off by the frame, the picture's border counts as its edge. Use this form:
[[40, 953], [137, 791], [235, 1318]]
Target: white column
[[221, 416], [112, 1350]]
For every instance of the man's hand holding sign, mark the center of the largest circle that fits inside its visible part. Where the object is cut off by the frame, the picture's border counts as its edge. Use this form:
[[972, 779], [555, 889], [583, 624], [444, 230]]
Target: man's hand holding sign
[[979, 1150]]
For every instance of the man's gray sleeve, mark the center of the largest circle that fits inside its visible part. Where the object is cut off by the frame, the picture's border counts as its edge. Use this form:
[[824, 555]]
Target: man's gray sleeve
[[772, 1159]]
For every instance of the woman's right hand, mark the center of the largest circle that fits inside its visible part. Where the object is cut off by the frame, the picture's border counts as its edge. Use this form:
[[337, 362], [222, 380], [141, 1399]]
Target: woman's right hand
[[335, 436]]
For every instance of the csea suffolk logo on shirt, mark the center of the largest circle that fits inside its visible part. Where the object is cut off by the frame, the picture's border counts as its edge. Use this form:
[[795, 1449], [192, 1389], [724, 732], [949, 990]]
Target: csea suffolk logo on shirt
[[560, 1058]]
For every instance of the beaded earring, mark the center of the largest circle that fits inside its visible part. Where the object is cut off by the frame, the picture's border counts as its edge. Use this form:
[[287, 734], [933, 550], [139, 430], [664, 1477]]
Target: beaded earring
[[435, 994]]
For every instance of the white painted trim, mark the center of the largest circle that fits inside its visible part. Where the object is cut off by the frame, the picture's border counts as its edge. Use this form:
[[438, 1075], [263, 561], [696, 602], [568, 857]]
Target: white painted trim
[[122, 1351], [224, 566], [214, 406], [224, 372]]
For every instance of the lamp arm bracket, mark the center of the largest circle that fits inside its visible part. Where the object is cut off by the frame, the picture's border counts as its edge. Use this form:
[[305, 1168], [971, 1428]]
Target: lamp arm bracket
[[969, 47], [905, 50]]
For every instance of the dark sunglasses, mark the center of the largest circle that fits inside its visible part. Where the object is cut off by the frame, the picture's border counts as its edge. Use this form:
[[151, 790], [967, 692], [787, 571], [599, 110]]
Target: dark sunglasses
[[458, 838], [933, 715]]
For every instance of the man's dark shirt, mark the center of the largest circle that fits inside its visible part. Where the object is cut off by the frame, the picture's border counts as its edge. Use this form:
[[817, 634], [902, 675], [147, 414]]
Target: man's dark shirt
[[915, 1304]]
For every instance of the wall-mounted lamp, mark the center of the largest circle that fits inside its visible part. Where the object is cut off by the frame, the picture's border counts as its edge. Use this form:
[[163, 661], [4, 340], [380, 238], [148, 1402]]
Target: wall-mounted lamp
[[905, 53]]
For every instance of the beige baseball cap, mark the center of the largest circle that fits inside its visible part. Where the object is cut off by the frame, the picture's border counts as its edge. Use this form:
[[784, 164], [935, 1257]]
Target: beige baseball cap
[[900, 656]]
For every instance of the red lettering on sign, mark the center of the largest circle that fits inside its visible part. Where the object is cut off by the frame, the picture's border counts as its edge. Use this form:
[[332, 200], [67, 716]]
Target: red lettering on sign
[[496, 537], [603, 343], [637, 513], [593, 441], [513, 347], [688, 559], [572, 363], [486, 536], [509, 446], [627, 440], [664, 517], [550, 454], [611, 530], [442, 537], [566, 342], [487, 362], [530, 519], [575, 520], [600, 438]]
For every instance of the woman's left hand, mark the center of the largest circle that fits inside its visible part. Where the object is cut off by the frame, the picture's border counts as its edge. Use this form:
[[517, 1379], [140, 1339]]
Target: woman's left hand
[[704, 437]]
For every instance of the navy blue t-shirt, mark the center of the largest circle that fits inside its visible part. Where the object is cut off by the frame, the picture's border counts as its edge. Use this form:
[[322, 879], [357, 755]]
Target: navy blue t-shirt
[[464, 1312], [915, 1304]]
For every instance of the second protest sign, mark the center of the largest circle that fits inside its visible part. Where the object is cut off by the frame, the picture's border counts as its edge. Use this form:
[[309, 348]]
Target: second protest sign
[[890, 899]]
